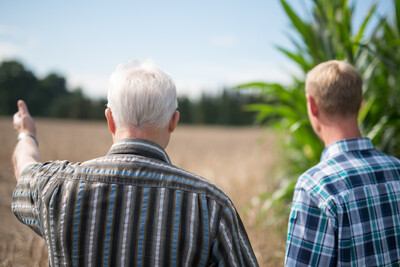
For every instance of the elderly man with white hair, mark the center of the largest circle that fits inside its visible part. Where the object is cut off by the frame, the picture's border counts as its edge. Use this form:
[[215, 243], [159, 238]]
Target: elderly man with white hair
[[131, 207]]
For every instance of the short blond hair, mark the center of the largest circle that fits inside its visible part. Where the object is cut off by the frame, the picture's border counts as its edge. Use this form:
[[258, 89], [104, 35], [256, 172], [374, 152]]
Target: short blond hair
[[336, 86]]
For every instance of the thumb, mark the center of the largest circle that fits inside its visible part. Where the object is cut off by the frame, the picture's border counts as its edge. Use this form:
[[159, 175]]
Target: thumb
[[22, 108]]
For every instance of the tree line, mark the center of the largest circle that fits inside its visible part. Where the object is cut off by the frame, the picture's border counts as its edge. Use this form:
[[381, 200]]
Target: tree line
[[46, 97], [50, 97]]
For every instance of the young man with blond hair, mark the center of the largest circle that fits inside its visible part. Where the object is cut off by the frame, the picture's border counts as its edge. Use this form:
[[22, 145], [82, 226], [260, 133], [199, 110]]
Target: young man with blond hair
[[346, 209], [131, 207]]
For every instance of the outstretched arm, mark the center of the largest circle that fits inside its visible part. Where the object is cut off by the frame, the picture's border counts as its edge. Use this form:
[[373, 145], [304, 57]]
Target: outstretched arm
[[26, 151]]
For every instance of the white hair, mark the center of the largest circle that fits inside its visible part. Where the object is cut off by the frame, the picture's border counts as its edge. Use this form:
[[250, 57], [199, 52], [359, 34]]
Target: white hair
[[141, 95]]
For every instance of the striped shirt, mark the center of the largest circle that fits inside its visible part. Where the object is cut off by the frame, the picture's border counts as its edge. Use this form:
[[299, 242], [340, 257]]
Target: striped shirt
[[131, 207], [346, 209]]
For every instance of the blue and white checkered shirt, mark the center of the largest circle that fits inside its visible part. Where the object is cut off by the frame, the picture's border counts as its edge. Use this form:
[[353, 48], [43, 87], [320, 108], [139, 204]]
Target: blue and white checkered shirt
[[346, 209]]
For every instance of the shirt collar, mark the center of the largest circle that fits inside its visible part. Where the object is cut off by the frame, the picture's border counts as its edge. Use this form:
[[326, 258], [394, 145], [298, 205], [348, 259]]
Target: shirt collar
[[346, 145], [139, 147]]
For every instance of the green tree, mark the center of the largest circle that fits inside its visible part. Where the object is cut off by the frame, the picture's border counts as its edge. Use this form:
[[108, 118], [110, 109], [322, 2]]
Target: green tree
[[206, 110], [75, 106], [47, 97], [15, 83], [50, 88], [327, 34], [185, 107]]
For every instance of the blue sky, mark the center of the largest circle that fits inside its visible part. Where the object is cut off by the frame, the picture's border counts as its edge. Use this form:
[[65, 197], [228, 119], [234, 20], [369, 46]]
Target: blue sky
[[204, 45]]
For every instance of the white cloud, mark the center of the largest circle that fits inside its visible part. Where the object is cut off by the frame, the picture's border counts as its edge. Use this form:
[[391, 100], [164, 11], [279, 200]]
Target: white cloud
[[7, 30], [8, 50], [93, 85], [212, 78], [266, 74], [194, 88], [18, 44]]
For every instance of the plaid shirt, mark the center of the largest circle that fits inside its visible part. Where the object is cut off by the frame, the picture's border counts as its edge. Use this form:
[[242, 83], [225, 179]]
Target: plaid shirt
[[346, 209], [130, 208]]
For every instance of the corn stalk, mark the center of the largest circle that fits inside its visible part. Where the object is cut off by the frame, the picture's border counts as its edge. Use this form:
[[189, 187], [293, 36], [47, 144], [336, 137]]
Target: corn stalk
[[329, 34]]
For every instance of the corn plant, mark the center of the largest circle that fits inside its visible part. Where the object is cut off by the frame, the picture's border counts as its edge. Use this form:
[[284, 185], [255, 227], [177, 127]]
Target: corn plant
[[329, 34], [380, 117]]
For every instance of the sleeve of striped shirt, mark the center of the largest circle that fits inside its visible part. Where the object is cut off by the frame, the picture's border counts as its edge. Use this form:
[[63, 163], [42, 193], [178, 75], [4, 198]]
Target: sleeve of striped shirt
[[26, 195], [311, 236], [232, 246]]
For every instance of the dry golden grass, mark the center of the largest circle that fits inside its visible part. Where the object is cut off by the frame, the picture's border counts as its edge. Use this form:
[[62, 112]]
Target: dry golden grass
[[233, 158]]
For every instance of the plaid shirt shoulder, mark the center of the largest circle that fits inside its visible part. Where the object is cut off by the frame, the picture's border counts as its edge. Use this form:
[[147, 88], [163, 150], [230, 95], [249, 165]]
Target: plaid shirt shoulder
[[346, 209]]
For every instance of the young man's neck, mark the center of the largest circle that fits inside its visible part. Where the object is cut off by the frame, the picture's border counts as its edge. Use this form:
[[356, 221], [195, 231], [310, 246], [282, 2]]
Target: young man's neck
[[338, 129]]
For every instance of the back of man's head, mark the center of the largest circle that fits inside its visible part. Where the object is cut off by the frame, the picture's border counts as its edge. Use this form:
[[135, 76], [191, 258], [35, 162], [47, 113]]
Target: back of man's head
[[336, 86], [141, 95]]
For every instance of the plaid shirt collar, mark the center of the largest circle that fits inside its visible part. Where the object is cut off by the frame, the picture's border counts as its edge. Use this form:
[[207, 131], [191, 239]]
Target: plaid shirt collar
[[346, 145], [139, 147]]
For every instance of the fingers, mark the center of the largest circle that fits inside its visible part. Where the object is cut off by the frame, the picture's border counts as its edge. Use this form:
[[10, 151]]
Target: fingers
[[22, 120], [16, 121], [22, 108]]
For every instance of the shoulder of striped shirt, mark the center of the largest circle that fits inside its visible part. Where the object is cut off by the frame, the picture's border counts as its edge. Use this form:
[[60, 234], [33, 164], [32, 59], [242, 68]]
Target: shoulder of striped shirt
[[183, 174]]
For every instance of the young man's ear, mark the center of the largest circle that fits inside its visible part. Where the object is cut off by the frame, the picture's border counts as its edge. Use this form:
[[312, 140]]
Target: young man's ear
[[174, 121], [110, 120], [312, 105]]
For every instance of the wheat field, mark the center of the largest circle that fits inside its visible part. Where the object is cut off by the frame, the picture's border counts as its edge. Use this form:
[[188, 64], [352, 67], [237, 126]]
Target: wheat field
[[242, 161]]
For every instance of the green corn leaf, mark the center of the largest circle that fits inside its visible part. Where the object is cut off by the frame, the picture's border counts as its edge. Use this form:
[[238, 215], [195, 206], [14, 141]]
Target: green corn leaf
[[378, 128], [360, 34], [298, 58], [327, 33], [397, 8], [295, 19]]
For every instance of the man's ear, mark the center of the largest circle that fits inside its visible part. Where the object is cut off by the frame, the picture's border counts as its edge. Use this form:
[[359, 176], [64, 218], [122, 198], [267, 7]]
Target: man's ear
[[313, 108], [174, 121], [110, 120]]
